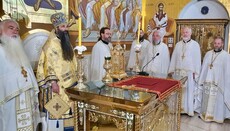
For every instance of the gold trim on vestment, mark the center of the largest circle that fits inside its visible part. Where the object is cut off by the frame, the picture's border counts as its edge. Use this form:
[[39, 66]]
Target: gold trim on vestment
[[7, 98], [24, 120], [48, 78]]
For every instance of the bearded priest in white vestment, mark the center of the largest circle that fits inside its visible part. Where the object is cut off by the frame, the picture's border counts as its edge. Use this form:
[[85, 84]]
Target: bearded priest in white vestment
[[214, 92], [100, 50], [19, 90], [186, 61], [160, 64], [132, 56]]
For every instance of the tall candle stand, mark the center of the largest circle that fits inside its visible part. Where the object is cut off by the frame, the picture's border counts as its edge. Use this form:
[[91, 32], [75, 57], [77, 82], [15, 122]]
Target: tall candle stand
[[137, 63], [80, 49]]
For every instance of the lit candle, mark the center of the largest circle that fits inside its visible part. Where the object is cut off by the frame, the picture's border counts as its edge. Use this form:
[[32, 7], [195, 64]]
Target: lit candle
[[143, 10], [143, 22], [79, 30], [138, 33]]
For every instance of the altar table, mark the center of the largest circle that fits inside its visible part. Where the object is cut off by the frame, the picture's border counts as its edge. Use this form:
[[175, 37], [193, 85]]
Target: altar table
[[126, 108]]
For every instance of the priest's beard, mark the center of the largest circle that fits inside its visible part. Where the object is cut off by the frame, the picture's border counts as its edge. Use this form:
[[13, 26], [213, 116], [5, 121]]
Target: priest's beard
[[156, 42], [217, 49], [107, 39], [186, 39], [67, 50], [15, 53]]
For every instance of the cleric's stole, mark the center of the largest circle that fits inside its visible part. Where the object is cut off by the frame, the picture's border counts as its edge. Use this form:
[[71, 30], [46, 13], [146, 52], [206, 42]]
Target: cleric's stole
[[182, 73], [209, 100], [24, 106]]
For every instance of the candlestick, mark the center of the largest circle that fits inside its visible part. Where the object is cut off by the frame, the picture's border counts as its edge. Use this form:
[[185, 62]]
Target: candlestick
[[137, 67], [80, 85], [137, 48]]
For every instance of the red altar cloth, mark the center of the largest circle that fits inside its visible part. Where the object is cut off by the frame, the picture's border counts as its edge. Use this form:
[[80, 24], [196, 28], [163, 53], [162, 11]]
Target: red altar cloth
[[162, 87]]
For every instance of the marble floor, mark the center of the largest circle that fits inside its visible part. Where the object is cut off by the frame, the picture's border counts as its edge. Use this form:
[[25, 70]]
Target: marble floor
[[196, 124]]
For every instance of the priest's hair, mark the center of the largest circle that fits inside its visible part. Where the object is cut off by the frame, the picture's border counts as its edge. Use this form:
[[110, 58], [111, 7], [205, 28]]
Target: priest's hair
[[219, 37], [187, 28], [102, 31], [2, 23], [160, 33]]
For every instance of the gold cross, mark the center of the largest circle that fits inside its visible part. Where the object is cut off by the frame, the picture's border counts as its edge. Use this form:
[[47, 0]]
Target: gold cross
[[211, 65], [57, 107], [24, 72]]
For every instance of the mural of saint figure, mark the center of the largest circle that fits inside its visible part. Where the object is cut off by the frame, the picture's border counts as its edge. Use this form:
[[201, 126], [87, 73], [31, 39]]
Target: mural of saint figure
[[158, 22]]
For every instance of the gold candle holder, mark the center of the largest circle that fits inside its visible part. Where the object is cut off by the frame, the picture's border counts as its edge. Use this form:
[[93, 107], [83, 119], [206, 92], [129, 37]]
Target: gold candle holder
[[80, 84], [137, 67], [80, 49], [107, 66]]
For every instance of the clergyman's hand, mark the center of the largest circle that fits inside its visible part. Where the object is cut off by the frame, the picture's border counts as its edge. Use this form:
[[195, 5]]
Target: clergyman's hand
[[170, 74], [55, 87]]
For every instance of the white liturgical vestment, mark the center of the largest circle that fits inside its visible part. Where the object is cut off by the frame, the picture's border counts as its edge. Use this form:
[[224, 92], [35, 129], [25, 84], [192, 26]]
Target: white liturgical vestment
[[18, 96], [99, 52], [160, 64], [186, 60], [213, 102]]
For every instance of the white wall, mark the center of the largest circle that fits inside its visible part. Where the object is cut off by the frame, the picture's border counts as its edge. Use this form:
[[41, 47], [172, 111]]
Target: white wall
[[193, 10]]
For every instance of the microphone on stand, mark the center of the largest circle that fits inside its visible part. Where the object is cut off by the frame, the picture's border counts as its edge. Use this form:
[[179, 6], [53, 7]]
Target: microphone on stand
[[142, 71]]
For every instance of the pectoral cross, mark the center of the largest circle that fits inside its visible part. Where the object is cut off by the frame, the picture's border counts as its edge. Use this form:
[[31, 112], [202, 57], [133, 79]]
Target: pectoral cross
[[211, 65], [24, 72], [183, 56]]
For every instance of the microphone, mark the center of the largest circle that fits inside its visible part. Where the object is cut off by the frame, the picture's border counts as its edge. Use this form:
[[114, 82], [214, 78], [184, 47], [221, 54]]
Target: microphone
[[142, 71]]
